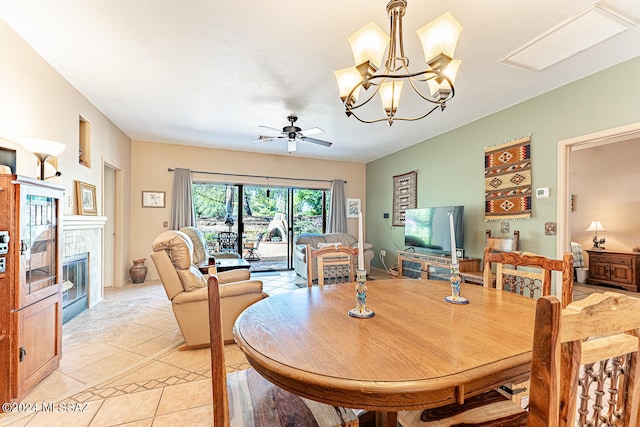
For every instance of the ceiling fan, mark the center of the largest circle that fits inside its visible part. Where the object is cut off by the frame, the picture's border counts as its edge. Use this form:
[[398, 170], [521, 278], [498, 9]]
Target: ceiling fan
[[293, 134]]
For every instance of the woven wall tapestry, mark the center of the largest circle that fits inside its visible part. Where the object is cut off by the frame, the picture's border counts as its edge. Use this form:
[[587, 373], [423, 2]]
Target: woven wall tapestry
[[507, 180], [405, 196]]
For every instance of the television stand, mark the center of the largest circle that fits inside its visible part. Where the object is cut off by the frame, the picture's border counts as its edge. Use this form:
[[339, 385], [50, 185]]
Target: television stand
[[416, 265]]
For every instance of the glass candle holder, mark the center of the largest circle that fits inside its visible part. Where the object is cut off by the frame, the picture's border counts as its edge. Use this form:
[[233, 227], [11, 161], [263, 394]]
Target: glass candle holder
[[455, 279], [361, 310]]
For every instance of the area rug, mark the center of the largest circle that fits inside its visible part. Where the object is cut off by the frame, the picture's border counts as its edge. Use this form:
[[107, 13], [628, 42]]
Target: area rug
[[507, 178]]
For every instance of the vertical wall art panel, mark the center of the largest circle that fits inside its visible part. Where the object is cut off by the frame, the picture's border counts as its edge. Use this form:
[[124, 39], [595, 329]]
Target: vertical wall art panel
[[507, 180], [405, 196]]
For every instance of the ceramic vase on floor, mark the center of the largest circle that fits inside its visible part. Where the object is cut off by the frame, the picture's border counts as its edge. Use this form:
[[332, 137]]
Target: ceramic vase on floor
[[138, 271]]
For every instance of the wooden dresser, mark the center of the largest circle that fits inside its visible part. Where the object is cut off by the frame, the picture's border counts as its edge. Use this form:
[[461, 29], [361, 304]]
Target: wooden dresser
[[618, 268]]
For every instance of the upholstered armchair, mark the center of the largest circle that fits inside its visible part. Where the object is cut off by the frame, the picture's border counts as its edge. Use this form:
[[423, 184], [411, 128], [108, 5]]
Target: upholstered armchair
[[186, 287]]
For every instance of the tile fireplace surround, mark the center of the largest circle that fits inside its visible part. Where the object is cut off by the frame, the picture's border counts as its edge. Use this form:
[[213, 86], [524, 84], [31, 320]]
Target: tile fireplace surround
[[80, 234]]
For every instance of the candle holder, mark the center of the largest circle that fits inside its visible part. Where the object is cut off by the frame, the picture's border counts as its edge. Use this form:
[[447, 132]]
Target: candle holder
[[455, 297], [361, 311]]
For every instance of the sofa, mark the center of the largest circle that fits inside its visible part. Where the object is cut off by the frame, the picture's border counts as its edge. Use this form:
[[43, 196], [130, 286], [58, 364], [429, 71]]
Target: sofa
[[320, 240], [186, 287]]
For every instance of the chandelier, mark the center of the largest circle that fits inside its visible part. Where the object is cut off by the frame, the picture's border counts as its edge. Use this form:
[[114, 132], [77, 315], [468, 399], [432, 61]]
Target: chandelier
[[434, 84]]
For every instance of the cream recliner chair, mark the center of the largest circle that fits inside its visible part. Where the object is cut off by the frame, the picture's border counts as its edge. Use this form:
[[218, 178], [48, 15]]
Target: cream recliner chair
[[186, 287]]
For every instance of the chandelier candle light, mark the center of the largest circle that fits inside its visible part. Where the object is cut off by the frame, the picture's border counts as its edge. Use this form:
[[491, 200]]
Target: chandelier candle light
[[455, 297], [434, 84], [361, 311]]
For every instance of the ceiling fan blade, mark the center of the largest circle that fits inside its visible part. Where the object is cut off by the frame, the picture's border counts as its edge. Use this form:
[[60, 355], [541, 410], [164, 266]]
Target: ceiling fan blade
[[269, 127], [317, 141], [311, 131], [266, 138]]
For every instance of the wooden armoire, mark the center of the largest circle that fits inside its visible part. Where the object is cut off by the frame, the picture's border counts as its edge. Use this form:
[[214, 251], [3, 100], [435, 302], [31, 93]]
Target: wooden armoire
[[30, 283]]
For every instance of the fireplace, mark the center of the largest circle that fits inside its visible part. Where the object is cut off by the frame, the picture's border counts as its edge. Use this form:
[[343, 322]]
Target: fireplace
[[75, 283]]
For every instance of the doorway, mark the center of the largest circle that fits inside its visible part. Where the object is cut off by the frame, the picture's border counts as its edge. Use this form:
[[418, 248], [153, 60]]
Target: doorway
[[266, 220], [108, 208], [565, 147]]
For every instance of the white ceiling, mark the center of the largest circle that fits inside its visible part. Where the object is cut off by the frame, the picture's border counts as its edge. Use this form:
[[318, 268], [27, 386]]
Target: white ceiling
[[208, 72]]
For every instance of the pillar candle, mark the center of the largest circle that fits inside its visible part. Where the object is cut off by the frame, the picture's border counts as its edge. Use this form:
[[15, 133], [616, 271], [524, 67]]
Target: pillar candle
[[453, 240], [360, 243]]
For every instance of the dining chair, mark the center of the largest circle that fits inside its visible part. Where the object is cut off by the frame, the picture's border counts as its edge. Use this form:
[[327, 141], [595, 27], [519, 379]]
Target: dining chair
[[534, 281], [585, 366], [336, 264], [245, 398], [495, 244]]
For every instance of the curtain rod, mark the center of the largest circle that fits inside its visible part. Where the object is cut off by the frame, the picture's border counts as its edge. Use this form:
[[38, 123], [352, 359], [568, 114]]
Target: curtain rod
[[258, 176]]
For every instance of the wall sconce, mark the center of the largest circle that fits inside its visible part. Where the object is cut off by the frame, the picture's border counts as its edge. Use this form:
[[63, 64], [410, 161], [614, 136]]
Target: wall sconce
[[42, 149], [597, 226]]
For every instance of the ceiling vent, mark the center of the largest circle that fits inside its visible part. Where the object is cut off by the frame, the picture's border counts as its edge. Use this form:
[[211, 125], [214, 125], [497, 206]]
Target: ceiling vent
[[586, 29]]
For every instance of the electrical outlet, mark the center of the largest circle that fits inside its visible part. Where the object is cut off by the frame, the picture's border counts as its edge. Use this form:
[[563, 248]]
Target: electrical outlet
[[165, 223], [385, 215], [383, 252]]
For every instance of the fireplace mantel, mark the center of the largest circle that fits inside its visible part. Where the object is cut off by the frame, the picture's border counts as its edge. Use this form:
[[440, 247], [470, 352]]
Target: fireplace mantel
[[83, 222]]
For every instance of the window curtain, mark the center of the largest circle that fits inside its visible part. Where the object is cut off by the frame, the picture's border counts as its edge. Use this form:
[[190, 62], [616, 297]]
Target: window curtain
[[182, 211], [337, 208]]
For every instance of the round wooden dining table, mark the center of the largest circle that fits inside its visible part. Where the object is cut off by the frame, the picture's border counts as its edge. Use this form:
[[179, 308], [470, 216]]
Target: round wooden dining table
[[417, 351]]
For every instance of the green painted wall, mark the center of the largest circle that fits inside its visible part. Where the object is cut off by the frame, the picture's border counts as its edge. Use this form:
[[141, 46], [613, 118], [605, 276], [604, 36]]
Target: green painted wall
[[451, 170]]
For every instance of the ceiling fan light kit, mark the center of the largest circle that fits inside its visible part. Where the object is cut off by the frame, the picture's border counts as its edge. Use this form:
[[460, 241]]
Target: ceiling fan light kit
[[293, 134], [435, 84]]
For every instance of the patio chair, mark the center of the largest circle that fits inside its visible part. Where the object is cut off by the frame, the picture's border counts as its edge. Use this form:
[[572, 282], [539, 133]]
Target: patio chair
[[228, 241], [252, 248], [254, 400]]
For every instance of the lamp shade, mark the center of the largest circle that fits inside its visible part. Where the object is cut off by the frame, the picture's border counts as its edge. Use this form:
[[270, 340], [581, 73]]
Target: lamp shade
[[439, 38], [369, 44], [595, 226], [42, 146], [347, 79], [390, 95]]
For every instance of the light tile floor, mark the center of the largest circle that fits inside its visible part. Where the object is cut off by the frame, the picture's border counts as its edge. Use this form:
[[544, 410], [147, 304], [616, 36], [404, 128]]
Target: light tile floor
[[121, 365]]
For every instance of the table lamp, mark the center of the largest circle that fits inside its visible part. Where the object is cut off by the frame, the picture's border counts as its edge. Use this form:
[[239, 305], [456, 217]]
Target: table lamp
[[597, 226], [42, 149]]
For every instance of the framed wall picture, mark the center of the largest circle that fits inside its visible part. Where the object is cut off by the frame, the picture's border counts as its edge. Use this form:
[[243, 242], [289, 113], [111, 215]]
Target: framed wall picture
[[153, 199], [86, 198], [353, 207]]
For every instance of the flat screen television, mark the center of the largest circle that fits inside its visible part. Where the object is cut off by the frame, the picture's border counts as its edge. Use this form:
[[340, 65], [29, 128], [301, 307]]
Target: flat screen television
[[428, 230]]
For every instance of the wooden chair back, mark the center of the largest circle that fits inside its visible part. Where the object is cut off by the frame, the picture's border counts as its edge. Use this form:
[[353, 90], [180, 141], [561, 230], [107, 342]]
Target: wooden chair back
[[258, 402], [585, 362], [536, 280], [336, 264], [502, 244], [218, 369], [495, 244]]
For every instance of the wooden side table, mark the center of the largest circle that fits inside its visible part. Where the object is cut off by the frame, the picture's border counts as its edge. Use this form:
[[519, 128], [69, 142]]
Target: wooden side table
[[618, 268]]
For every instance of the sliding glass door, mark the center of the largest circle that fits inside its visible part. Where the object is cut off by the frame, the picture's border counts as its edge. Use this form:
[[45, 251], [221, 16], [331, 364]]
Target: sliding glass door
[[266, 219]]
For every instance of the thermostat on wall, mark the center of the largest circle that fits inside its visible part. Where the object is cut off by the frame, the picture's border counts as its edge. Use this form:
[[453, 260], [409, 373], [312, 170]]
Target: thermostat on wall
[[542, 193]]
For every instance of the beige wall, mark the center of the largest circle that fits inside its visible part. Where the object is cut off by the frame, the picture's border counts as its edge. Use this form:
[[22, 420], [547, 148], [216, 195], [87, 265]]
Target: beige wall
[[150, 173], [37, 101], [604, 182]]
